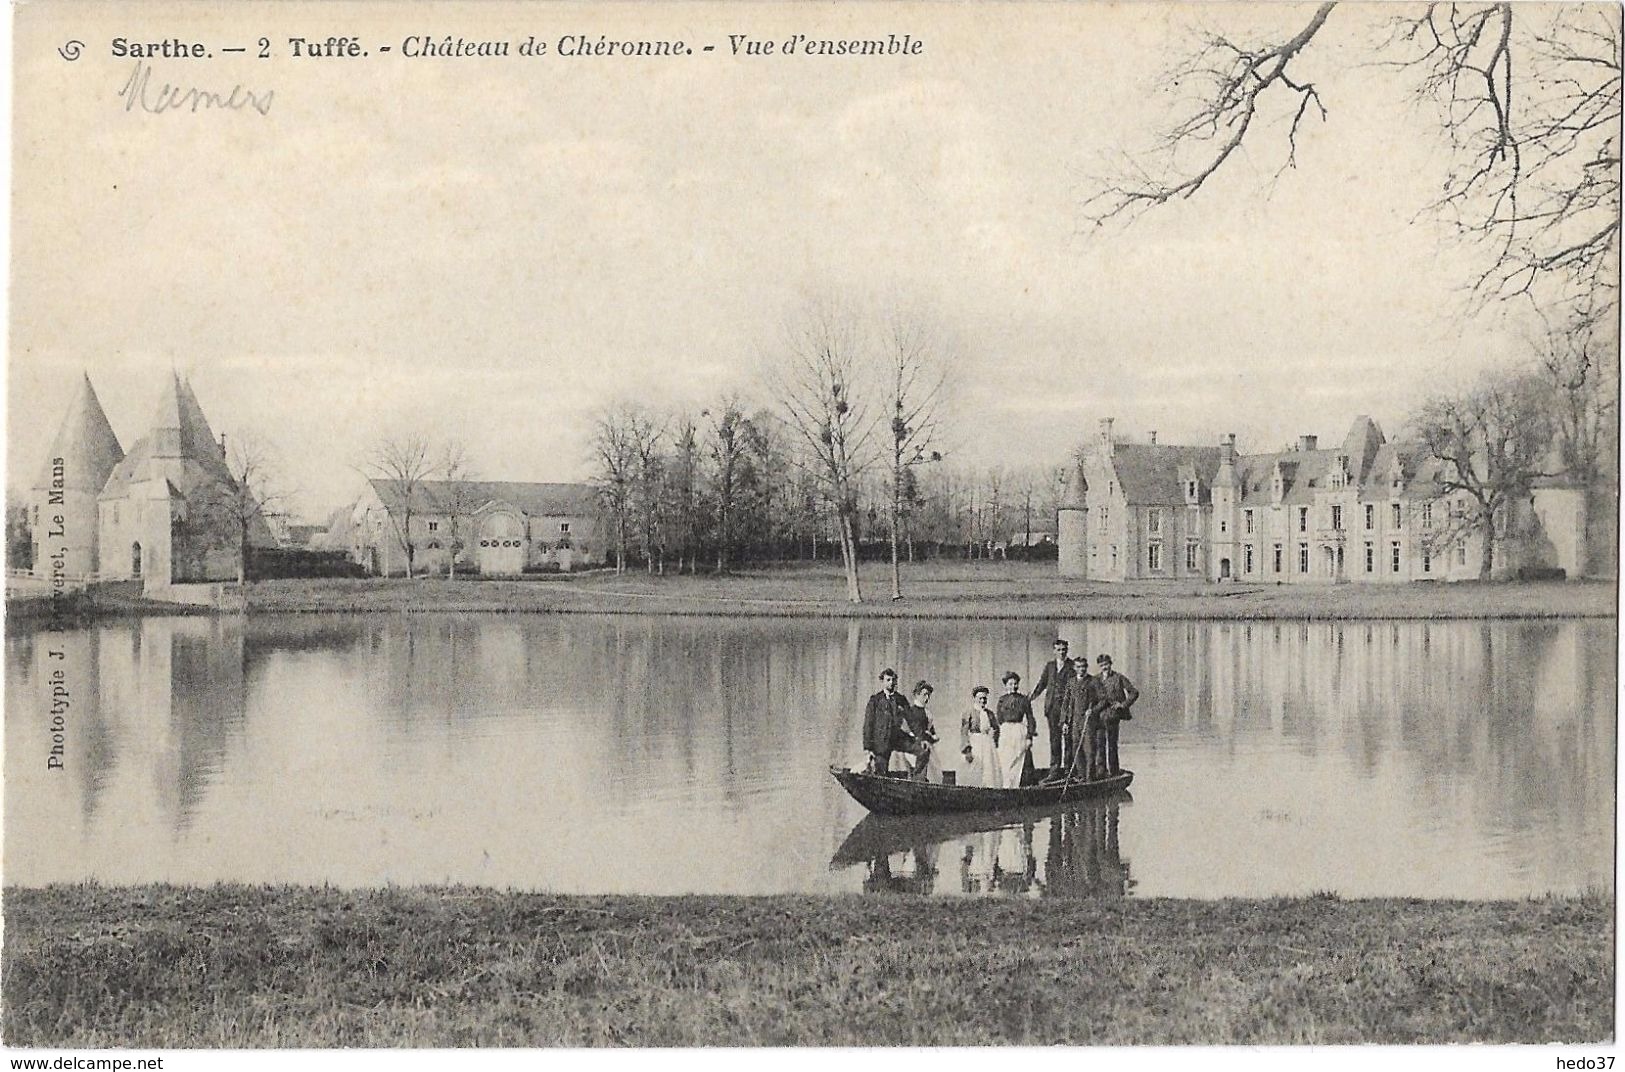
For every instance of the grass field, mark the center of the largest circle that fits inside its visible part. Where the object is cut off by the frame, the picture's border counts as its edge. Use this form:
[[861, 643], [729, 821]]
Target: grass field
[[938, 590], [234, 966]]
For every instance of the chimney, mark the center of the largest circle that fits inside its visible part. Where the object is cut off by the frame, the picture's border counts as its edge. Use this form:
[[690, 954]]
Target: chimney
[[222, 444], [1153, 434], [1307, 442], [1106, 432], [1227, 449]]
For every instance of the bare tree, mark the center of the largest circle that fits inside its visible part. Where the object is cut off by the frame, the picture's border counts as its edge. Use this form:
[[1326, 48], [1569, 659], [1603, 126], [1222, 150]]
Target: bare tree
[[683, 476], [730, 431], [458, 497], [817, 381], [615, 463], [1584, 400], [403, 464], [246, 495], [1492, 439], [645, 433], [1527, 99], [916, 393]]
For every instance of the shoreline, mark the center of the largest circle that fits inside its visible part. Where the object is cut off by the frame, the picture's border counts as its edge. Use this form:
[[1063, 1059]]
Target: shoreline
[[244, 965], [953, 592]]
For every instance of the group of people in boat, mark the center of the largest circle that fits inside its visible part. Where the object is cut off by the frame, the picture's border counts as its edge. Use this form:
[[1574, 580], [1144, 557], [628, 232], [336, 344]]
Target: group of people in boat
[[1082, 712]]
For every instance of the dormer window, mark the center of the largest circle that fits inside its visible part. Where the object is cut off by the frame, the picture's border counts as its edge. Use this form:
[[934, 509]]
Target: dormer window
[[1190, 489]]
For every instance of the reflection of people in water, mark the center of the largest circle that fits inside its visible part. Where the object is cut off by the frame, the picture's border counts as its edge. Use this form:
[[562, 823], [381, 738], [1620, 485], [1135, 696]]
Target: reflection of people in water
[[1082, 858], [978, 743], [1017, 728]]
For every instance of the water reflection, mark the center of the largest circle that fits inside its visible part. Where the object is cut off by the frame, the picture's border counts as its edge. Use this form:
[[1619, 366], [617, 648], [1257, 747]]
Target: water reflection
[[1071, 852], [637, 754]]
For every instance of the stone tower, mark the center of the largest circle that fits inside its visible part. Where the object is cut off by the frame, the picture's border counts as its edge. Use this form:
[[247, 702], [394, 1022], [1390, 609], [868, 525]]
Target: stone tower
[[62, 507], [1073, 523], [1225, 563]]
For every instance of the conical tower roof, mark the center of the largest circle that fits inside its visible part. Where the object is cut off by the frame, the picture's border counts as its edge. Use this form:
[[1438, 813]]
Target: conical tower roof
[[85, 442], [179, 428], [1076, 495]]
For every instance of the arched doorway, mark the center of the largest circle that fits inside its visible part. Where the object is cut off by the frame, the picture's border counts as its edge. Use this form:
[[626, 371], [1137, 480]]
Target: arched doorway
[[1224, 569], [135, 560]]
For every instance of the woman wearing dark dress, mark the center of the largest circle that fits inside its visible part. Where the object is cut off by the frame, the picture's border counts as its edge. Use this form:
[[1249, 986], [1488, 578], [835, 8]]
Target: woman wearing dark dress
[[1017, 728]]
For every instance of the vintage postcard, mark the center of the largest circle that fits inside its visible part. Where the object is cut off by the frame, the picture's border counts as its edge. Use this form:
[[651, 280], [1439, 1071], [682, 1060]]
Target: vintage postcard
[[560, 525]]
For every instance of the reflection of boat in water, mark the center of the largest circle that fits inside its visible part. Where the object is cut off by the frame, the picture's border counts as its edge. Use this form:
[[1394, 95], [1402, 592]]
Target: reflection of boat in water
[[1066, 852], [883, 834], [904, 796]]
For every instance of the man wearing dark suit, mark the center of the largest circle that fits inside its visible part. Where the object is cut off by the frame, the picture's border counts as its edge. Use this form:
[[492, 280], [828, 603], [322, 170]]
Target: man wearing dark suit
[[1088, 756], [1117, 695], [1057, 681], [885, 724]]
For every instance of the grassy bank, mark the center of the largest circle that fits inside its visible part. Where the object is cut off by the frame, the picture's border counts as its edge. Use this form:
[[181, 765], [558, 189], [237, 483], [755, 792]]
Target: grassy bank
[[933, 590], [258, 966]]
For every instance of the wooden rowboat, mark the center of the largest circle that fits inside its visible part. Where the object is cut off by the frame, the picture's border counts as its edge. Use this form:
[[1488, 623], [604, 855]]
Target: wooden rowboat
[[885, 795]]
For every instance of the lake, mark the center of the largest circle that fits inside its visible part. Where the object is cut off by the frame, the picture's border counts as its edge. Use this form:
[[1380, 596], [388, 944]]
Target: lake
[[622, 754]]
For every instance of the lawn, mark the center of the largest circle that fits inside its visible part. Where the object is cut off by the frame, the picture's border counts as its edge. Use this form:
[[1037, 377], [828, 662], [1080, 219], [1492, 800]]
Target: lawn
[[938, 590], [236, 966]]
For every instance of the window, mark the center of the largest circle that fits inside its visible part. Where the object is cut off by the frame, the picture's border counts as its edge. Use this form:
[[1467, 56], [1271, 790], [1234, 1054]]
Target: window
[[1224, 526], [1153, 521], [1461, 554], [1370, 517], [1191, 554], [1105, 512], [1247, 559], [564, 527], [1458, 509], [1277, 558], [1337, 517], [1303, 558], [1190, 489], [1370, 556], [1399, 516], [1393, 557], [1427, 562], [1247, 522], [434, 526], [1303, 519], [1153, 556], [1114, 556], [1427, 523], [1500, 521]]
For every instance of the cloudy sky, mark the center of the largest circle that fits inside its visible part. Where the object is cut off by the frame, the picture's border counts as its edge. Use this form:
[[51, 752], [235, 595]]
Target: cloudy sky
[[490, 249]]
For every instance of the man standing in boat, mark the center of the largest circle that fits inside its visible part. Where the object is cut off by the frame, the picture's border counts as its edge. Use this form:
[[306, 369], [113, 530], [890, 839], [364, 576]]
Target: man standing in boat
[[885, 725], [1117, 695], [1088, 758], [1057, 681]]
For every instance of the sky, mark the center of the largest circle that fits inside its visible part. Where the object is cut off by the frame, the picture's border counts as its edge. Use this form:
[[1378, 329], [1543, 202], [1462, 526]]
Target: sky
[[493, 249]]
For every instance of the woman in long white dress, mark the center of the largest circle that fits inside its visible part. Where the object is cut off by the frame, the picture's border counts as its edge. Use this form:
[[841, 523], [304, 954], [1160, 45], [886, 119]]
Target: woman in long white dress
[[978, 743], [1017, 728]]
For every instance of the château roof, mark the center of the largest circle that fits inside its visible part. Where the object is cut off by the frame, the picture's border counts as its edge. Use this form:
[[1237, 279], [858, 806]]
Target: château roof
[[532, 499], [178, 442], [86, 444], [1150, 473]]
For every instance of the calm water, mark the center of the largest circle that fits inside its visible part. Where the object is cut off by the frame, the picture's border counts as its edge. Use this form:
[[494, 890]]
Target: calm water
[[690, 755]]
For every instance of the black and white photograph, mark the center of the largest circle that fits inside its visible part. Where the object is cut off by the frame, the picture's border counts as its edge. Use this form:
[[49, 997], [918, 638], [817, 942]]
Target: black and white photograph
[[874, 525]]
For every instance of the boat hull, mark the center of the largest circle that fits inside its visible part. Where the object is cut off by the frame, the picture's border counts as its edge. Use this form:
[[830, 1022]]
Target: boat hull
[[903, 796]]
